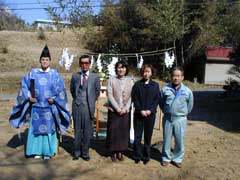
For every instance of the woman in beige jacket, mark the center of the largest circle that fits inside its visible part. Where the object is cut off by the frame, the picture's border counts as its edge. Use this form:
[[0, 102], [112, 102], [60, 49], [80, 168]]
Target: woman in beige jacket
[[119, 90]]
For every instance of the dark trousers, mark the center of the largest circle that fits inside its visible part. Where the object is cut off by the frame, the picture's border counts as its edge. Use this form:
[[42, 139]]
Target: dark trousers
[[143, 124], [82, 130]]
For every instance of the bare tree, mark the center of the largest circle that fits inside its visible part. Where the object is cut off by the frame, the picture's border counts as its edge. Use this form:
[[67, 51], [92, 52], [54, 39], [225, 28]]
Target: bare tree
[[78, 12], [8, 20]]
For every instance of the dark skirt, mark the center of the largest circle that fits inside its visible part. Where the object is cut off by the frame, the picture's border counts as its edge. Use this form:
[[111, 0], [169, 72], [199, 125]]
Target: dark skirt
[[117, 131]]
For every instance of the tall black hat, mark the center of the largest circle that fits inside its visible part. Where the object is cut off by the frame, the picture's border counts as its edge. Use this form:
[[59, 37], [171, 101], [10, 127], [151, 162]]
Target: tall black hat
[[45, 52]]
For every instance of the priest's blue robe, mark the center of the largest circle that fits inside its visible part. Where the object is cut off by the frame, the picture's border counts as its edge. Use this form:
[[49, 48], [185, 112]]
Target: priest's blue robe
[[45, 118]]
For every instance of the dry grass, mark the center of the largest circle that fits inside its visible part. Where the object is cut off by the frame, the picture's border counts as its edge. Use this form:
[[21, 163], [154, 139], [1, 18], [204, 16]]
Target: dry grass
[[24, 48]]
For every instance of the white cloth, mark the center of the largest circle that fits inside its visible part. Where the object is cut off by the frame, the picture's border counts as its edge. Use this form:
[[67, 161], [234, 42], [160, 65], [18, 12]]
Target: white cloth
[[41, 70]]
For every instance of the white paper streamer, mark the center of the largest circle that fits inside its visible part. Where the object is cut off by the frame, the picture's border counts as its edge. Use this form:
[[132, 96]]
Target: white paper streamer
[[140, 63], [99, 63], [64, 56], [137, 59], [111, 66], [169, 60], [66, 59], [92, 62]]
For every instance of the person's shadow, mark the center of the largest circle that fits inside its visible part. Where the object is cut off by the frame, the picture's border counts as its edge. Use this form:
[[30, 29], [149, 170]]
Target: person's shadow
[[18, 140], [156, 151], [67, 144], [99, 145]]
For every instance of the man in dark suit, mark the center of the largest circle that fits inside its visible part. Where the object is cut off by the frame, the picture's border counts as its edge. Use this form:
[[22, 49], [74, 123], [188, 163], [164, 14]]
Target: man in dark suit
[[85, 89]]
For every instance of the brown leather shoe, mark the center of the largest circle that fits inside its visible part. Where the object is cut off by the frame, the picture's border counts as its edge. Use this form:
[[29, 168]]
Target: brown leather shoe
[[179, 165], [164, 163]]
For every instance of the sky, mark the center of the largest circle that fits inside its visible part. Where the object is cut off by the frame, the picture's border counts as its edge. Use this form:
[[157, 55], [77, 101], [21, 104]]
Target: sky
[[29, 14]]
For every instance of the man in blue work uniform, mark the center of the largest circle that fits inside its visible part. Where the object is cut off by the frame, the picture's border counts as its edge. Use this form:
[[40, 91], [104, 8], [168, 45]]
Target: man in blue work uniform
[[176, 103]]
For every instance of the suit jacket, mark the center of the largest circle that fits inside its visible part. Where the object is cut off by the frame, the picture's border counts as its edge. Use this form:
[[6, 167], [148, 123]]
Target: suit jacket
[[93, 90]]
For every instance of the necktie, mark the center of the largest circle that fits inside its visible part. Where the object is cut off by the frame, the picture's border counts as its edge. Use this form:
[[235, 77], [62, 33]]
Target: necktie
[[84, 80]]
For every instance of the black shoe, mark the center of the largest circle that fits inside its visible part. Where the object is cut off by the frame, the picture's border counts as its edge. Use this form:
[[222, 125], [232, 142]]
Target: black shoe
[[114, 157], [145, 161], [75, 158], [137, 161], [87, 158]]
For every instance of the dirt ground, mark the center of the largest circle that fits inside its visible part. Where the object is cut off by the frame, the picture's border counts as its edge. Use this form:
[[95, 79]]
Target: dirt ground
[[212, 149]]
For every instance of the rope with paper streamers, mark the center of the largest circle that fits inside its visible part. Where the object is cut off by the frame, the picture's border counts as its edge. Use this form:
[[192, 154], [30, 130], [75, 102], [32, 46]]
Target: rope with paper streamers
[[147, 53], [169, 58]]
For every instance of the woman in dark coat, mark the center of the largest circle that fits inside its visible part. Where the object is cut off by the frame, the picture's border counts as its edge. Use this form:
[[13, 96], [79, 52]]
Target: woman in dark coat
[[145, 96], [119, 99]]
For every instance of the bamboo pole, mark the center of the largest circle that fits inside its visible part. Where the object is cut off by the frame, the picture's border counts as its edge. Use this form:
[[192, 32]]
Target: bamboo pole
[[97, 118]]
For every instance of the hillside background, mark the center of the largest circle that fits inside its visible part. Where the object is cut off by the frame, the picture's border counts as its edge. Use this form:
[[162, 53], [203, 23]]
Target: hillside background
[[20, 52]]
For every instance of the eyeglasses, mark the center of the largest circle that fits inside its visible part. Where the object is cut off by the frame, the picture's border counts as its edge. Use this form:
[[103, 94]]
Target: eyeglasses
[[84, 63]]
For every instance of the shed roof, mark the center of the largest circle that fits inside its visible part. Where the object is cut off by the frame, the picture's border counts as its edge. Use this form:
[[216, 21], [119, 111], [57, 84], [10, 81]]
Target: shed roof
[[218, 53]]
